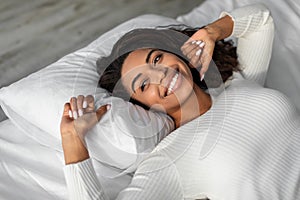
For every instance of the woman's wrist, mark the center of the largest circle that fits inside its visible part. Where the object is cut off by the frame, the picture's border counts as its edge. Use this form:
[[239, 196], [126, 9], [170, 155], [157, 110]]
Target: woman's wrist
[[74, 148], [221, 28]]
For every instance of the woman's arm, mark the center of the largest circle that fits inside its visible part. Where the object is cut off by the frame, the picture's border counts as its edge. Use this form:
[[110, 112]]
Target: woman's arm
[[78, 117], [82, 182], [156, 178], [253, 26], [73, 145]]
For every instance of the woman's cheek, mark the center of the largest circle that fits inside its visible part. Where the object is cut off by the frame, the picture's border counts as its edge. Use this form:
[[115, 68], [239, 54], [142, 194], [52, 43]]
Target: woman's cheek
[[151, 96]]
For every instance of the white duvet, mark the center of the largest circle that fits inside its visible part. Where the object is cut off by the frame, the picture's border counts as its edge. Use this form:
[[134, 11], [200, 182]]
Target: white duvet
[[29, 170]]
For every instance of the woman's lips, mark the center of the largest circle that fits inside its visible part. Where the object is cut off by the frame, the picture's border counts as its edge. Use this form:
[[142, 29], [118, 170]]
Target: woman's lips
[[174, 82]]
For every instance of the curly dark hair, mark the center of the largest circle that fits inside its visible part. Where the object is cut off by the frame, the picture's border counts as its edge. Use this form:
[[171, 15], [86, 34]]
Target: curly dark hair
[[169, 40]]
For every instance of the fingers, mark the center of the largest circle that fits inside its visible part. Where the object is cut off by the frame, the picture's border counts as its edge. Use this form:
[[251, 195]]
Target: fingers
[[206, 57], [80, 108], [74, 110], [193, 49], [200, 55], [205, 60], [79, 115], [66, 113], [89, 104], [102, 110], [81, 105], [189, 47], [89, 120]]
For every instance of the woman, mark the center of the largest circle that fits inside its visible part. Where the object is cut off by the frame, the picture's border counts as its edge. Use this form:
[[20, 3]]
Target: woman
[[242, 143]]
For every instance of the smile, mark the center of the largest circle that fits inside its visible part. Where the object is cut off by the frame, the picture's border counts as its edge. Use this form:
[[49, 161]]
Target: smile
[[173, 83]]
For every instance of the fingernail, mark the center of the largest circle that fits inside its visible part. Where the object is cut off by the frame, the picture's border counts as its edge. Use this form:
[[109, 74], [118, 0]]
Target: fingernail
[[70, 114], [84, 105], [194, 41], [198, 42], [202, 77], [198, 52], [108, 106], [80, 112], [202, 45], [75, 115]]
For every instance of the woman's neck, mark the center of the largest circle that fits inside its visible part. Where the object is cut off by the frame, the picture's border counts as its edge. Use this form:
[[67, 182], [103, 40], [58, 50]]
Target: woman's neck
[[197, 104]]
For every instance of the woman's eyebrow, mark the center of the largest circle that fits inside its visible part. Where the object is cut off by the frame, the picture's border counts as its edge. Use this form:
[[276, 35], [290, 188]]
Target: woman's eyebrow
[[137, 76], [149, 55], [134, 80]]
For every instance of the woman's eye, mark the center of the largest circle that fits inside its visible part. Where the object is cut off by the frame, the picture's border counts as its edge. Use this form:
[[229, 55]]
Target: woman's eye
[[157, 58], [143, 85]]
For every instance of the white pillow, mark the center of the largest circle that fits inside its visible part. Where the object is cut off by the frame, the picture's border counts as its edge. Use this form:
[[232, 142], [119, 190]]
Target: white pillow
[[35, 103]]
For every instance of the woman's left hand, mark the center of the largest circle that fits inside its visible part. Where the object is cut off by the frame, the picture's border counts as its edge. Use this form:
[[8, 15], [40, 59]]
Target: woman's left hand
[[200, 55]]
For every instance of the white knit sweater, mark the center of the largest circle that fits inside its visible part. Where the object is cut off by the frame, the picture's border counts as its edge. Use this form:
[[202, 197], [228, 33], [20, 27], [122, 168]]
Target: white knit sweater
[[247, 146]]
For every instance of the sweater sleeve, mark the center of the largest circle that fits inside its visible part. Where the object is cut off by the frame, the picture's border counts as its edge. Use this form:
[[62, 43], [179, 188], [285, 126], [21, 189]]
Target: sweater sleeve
[[254, 28], [82, 182], [156, 178]]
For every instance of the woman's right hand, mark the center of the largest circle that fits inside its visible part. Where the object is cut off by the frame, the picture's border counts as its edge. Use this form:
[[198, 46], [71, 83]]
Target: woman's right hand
[[78, 117]]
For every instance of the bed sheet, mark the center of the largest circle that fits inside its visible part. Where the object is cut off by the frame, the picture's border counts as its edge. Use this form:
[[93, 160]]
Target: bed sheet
[[29, 170]]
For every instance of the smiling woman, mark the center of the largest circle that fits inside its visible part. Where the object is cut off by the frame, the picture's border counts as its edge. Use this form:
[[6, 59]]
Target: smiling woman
[[160, 70]]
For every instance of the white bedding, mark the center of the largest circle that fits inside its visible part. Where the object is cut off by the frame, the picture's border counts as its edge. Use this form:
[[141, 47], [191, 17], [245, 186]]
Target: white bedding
[[30, 170]]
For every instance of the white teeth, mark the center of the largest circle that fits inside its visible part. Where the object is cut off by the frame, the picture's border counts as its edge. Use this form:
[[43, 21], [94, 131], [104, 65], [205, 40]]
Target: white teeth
[[172, 84]]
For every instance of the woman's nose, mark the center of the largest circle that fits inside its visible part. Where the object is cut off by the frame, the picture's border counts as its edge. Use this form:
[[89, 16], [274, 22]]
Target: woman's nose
[[157, 74]]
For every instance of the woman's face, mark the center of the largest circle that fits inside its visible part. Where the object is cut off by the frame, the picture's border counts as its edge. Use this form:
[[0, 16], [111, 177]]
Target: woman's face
[[158, 79]]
